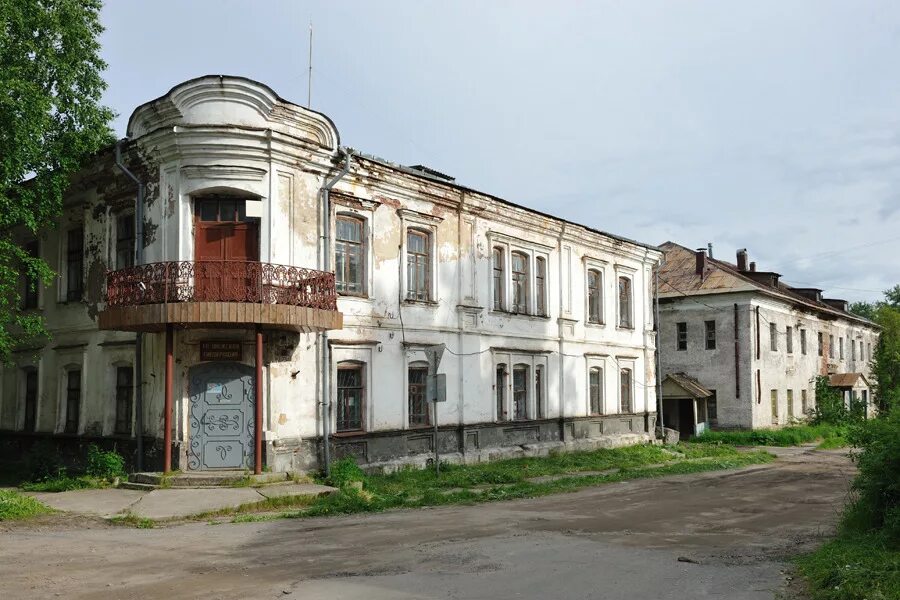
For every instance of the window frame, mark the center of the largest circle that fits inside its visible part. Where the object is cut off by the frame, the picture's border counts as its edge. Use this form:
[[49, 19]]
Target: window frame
[[362, 248], [629, 387], [120, 399], [789, 395], [360, 368], [540, 286], [520, 395], [594, 296], [773, 337], [627, 323], [597, 403], [420, 368], [773, 398], [540, 395], [681, 336], [789, 339], [498, 278], [30, 421], [413, 293], [841, 348], [520, 282], [821, 338], [121, 246], [804, 349], [74, 395], [74, 260], [500, 395], [709, 327]]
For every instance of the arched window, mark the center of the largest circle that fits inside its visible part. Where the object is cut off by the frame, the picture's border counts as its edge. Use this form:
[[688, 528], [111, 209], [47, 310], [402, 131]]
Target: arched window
[[595, 296], [349, 255], [351, 392], [418, 402], [418, 265], [498, 277], [520, 392], [540, 286], [519, 282], [595, 390]]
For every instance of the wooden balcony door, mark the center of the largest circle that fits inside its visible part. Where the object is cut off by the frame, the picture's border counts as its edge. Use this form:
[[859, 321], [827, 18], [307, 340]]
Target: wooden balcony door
[[226, 251]]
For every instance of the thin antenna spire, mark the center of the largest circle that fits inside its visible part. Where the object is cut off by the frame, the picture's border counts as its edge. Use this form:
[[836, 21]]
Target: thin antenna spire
[[309, 78]]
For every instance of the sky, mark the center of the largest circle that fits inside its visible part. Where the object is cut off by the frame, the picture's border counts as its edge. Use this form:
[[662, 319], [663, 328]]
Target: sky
[[767, 125]]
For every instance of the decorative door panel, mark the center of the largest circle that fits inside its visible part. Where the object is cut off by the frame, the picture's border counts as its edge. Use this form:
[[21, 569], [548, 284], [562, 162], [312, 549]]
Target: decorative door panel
[[221, 416]]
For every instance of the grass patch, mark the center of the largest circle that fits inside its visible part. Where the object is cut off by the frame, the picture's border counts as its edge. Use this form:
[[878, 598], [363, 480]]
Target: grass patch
[[831, 436], [513, 479], [15, 506], [132, 520], [65, 483], [855, 566]]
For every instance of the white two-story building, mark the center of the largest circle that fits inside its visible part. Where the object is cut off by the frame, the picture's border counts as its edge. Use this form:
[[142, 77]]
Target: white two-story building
[[271, 290]]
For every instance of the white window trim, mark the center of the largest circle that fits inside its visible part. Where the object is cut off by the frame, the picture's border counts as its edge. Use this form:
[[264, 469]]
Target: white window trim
[[413, 358], [626, 363], [593, 264], [510, 360], [62, 389], [532, 251], [20, 394], [363, 356], [410, 219], [600, 362], [627, 273], [63, 261], [116, 362], [114, 235]]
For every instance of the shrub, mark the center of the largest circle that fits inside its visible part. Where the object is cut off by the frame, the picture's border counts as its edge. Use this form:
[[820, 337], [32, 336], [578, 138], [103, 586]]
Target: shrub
[[104, 464], [16, 506], [830, 407], [878, 478], [345, 471]]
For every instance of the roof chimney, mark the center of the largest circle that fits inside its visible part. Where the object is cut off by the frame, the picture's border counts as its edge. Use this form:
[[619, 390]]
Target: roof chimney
[[742, 259], [753, 267], [709, 250], [700, 253]]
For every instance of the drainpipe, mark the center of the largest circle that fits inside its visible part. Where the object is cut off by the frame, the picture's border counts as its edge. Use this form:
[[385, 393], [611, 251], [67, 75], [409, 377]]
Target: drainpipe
[[326, 266], [139, 339], [659, 397]]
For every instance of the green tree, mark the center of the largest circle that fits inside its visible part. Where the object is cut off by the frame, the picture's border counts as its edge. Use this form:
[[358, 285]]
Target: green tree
[[866, 310], [886, 362], [51, 119]]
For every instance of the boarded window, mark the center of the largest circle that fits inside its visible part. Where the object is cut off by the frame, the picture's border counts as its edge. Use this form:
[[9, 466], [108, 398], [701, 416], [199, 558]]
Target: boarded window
[[74, 264], [804, 401], [124, 241], [803, 342], [821, 344], [625, 393], [710, 335], [539, 392], [789, 339], [841, 348], [124, 395], [349, 256], [595, 296], [790, 404], [773, 337], [520, 282], [350, 397], [681, 335], [500, 391], [418, 265], [774, 399], [73, 400], [540, 286], [595, 390], [625, 309], [830, 346], [852, 349], [31, 396], [520, 392], [418, 403], [499, 279], [712, 407]]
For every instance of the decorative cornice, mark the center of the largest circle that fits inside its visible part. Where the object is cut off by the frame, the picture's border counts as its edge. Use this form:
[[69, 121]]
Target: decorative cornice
[[223, 172]]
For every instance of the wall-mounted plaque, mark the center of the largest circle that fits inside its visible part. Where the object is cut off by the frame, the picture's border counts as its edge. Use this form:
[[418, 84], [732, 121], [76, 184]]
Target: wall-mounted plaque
[[220, 351]]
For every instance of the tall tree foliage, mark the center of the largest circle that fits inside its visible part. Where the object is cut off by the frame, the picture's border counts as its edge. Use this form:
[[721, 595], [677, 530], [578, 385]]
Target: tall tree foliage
[[886, 361], [51, 118]]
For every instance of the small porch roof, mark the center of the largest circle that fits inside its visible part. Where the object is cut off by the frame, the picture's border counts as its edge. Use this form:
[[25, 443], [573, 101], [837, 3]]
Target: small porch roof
[[847, 380], [690, 385]]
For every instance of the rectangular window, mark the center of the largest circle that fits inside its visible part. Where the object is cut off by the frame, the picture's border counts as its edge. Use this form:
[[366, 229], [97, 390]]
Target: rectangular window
[[418, 265], [821, 344], [841, 348], [31, 396], [790, 404], [710, 335], [804, 401], [500, 390], [520, 392], [595, 296], [74, 264], [789, 339], [712, 407], [350, 397], [73, 400], [773, 337], [540, 286], [124, 241], [681, 333], [803, 342], [349, 256], [30, 293], [519, 283], [774, 397], [853, 349], [499, 278], [830, 346], [625, 393], [539, 392], [625, 302], [418, 403], [595, 385], [124, 394]]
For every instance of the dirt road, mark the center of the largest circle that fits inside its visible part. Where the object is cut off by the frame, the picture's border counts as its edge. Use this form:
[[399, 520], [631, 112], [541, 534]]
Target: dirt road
[[715, 535]]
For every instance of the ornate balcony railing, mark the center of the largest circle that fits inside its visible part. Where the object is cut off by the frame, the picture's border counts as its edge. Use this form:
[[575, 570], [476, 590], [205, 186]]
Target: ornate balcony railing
[[220, 281]]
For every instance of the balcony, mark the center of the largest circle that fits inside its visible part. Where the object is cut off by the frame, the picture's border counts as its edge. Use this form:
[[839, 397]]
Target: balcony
[[221, 293]]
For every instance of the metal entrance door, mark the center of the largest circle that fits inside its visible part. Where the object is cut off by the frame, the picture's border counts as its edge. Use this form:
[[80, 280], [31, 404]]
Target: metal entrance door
[[221, 416]]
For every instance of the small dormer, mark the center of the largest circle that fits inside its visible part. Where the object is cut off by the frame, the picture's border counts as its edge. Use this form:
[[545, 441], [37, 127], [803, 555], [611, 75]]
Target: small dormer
[[814, 294]]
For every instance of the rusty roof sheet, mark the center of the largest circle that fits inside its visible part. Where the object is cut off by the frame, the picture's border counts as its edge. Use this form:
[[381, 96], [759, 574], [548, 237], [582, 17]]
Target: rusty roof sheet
[[689, 384], [678, 277], [843, 380]]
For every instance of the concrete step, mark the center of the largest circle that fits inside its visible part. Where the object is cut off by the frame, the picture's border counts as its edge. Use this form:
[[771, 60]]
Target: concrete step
[[207, 479], [131, 485]]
